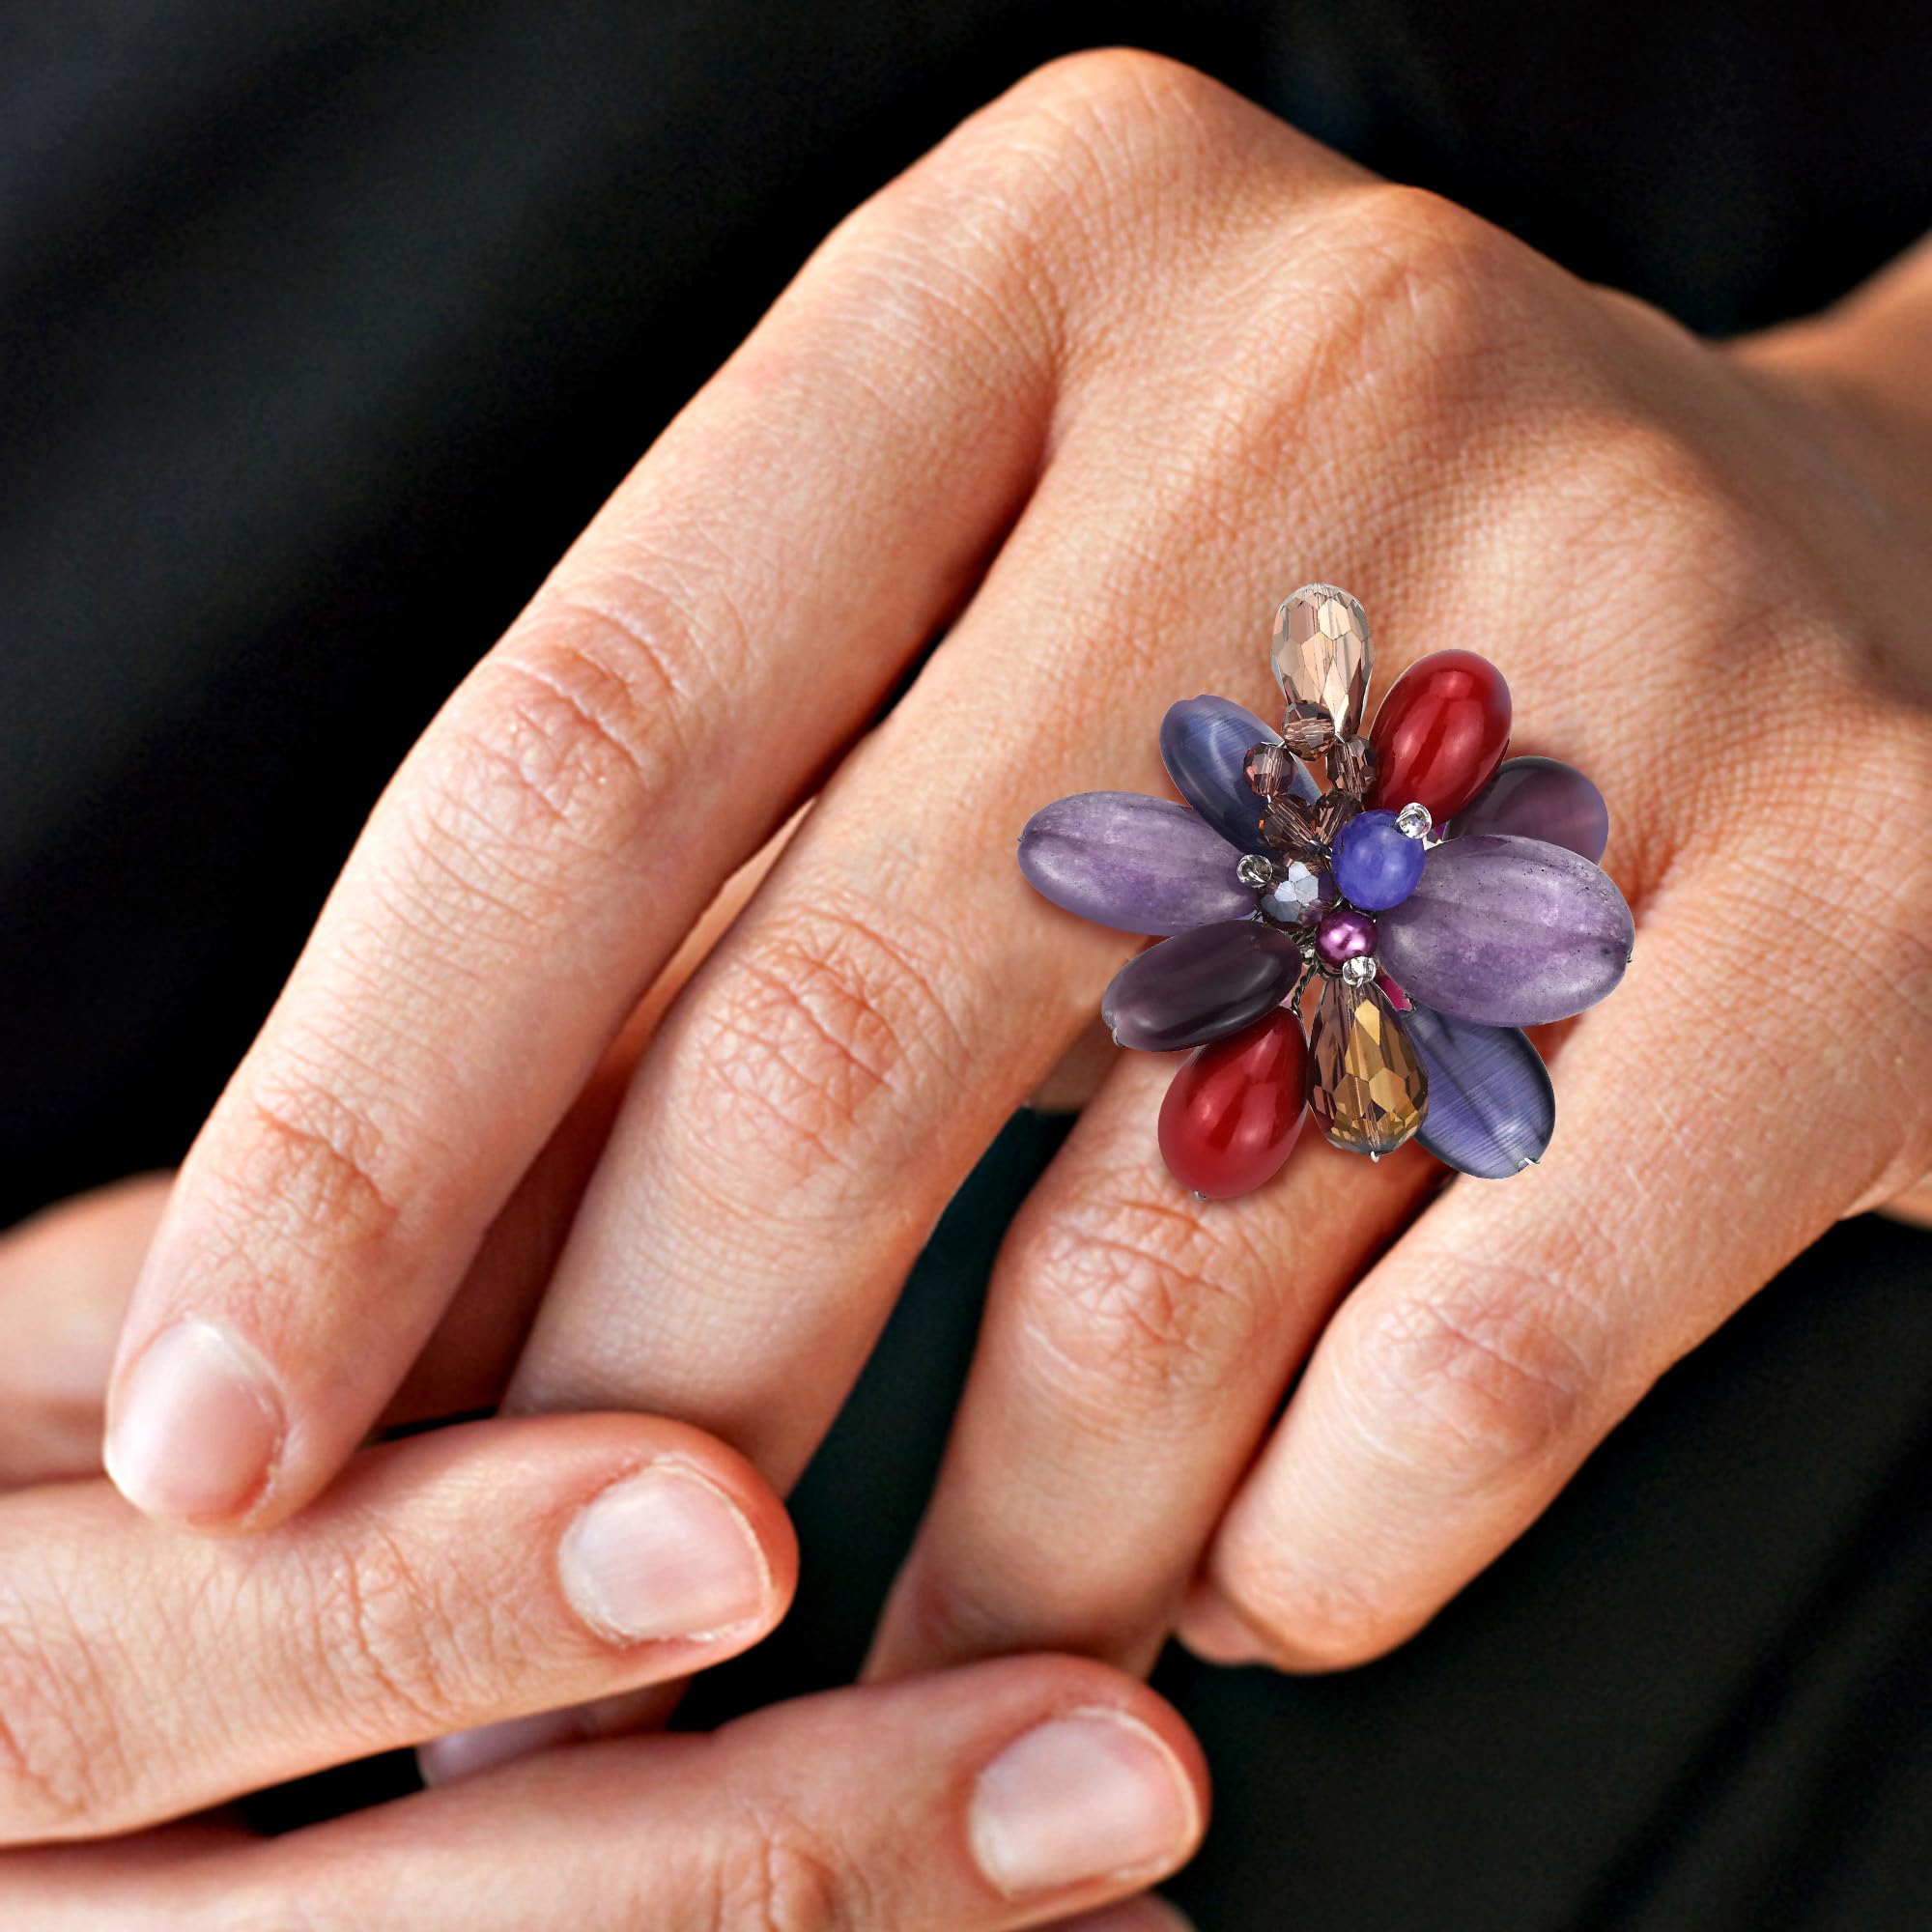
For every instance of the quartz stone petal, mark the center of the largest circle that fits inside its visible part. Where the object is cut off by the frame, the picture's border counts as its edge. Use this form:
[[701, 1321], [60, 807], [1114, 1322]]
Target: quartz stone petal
[[1201, 985], [1492, 1108], [1204, 744], [1137, 864], [1539, 798], [1507, 932], [1321, 657], [1366, 1084]]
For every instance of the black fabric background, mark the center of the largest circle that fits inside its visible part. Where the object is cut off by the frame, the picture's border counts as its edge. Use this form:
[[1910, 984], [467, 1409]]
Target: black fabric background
[[326, 324]]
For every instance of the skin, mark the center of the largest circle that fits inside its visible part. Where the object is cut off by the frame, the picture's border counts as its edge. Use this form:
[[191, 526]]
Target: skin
[[1090, 388], [146, 1676]]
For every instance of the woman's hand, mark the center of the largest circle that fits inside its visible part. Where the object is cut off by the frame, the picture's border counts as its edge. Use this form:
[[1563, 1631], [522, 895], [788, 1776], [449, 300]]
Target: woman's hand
[[1087, 390], [473, 1575]]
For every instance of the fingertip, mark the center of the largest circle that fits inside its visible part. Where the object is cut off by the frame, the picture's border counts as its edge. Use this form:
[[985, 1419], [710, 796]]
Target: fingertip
[[195, 1429], [1212, 1629]]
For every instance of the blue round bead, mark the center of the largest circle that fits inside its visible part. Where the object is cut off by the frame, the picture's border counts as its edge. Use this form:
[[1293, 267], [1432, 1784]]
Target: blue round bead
[[1376, 863]]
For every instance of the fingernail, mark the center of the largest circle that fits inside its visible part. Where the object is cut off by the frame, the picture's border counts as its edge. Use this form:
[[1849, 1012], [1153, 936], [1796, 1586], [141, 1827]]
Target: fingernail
[[1093, 1795], [463, 1754], [664, 1553], [195, 1427]]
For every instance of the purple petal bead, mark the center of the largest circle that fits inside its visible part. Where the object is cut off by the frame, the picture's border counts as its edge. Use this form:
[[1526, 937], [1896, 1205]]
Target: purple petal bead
[[1200, 985], [1492, 1108], [1539, 798], [1507, 932], [1137, 864], [1205, 742]]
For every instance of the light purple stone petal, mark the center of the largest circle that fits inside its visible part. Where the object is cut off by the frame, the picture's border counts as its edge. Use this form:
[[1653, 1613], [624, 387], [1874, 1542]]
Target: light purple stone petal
[[1507, 932], [1539, 798], [1202, 985], [1202, 744], [1492, 1108], [1137, 864]]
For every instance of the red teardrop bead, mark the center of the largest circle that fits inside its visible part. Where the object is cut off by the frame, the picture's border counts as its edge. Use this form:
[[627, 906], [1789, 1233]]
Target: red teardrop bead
[[1440, 734], [1233, 1111]]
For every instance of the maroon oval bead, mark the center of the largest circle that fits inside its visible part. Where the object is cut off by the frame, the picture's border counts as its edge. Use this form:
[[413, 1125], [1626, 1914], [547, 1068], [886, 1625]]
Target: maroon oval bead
[[1233, 1112], [1440, 734]]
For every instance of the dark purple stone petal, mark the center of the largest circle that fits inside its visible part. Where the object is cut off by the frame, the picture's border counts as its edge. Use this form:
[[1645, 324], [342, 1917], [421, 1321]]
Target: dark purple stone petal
[[1507, 932], [1539, 798], [1137, 864], [1204, 744], [1492, 1108], [1200, 985]]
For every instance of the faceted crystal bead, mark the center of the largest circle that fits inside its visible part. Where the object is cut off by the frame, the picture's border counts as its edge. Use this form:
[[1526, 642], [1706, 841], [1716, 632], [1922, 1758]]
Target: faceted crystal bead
[[1308, 732], [1333, 810], [1366, 1084], [1299, 894], [1351, 766], [1321, 657], [1289, 825], [1257, 871], [1270, 769], [1358, 971], [1414, 821]]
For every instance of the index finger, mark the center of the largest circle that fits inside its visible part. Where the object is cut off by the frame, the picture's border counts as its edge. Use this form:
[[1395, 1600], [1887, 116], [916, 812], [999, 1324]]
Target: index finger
[[736, 613]]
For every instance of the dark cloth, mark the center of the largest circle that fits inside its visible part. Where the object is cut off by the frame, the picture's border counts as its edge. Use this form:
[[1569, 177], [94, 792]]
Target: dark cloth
[[328, 324]]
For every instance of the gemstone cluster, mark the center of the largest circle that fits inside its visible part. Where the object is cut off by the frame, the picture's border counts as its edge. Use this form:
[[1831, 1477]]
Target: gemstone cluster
[[1439, 894]]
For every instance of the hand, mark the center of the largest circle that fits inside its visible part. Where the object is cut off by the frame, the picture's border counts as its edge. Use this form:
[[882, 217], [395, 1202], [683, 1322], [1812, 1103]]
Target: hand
[[1089, 388], [478, 1573]]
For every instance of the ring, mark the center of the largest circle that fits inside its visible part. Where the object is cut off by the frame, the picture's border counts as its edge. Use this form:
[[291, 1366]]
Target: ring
[[1442, 894]]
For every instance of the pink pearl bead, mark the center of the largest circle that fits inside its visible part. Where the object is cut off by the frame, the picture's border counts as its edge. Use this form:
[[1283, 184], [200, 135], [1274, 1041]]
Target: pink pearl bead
[[1345, 935]]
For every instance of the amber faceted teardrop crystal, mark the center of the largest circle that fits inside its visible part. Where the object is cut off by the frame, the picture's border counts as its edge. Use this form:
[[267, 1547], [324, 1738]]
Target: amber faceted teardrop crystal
[[1366, 1083]]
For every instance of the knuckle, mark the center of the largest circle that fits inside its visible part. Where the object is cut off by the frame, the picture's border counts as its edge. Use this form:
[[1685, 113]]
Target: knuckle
[[1439, 283], [777, 1875], [383, 1638], [574, 737], [1120, 90], [61, 1748], [814, 1040], [1475, 1366], [1132, 1303], [1028, 194], [310, 1157]]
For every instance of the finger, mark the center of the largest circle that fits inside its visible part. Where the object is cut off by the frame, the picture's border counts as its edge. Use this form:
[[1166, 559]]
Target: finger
[[1012, 1794], [64, 1278], [893, 992], [452, 1579], [1135, 1346], [735, 615], [467, 1360], [1461, 1383]]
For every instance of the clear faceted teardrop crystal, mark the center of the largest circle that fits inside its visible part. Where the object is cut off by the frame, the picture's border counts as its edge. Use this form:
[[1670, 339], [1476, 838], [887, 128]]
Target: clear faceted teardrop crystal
[[1366, 1083], [1321, 657]]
